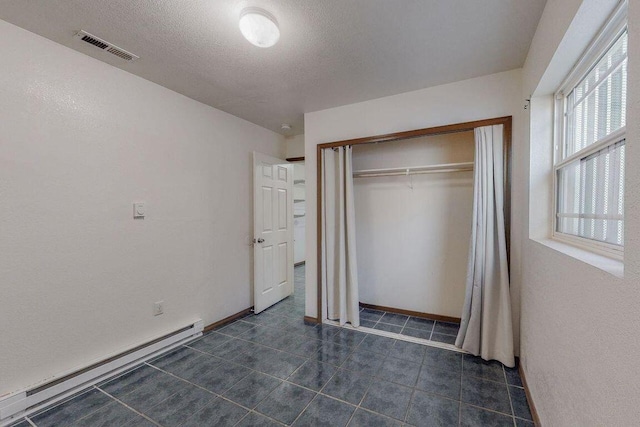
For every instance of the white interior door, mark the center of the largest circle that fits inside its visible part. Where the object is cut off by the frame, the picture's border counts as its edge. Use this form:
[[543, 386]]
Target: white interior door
[[273, 230]]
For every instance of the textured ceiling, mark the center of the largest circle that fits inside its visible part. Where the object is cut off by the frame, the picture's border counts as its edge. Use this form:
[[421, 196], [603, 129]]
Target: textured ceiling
[[330, 53]]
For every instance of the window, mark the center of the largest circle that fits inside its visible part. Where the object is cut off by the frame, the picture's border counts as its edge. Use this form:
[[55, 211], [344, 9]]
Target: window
[[590, 144]]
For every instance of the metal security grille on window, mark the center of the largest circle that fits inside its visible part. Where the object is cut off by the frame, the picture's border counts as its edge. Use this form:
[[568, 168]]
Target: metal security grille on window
[[597, 106], [590, 196], [590, 170]]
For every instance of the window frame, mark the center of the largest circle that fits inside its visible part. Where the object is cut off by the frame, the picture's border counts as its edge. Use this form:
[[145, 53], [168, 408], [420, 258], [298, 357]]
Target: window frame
[[615, 27]]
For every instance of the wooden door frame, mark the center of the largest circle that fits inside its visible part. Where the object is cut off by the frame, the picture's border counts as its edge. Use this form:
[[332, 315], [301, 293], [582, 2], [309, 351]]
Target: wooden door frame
[[416, 133]]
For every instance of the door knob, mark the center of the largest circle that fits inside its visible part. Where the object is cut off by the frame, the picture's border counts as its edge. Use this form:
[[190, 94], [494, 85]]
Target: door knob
[[260, 240]]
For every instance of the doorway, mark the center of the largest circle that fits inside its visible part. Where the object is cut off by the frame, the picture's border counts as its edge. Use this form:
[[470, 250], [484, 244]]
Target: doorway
[[299, 213], [273, 231], [299, 226]]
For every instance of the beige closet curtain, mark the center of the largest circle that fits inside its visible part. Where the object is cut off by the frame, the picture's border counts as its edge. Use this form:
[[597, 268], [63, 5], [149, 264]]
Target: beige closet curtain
[[486, 328], [340, 273]]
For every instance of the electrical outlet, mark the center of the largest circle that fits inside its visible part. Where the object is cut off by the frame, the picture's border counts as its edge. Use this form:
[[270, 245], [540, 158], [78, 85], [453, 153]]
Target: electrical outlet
[[158, 308], [139, 210]]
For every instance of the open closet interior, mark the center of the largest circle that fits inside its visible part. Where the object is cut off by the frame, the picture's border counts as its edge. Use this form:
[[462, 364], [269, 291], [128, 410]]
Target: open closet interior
[[413, 210], [416, 225]]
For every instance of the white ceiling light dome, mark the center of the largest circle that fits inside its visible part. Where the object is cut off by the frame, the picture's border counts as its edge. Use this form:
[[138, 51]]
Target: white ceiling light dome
[[259, 27]]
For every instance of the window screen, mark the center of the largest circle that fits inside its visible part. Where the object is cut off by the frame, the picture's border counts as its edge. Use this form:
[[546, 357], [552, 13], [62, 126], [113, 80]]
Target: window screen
[[590, 164], [590, 196]]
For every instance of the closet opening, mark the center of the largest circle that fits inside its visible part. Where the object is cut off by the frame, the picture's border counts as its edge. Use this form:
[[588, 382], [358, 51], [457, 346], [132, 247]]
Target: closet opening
[[413, 197]]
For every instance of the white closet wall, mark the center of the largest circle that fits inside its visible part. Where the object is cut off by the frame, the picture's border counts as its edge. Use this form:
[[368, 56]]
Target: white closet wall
[[413, 242]]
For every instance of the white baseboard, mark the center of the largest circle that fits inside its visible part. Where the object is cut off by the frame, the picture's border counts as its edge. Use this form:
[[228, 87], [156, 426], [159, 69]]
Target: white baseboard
[[26, 402]]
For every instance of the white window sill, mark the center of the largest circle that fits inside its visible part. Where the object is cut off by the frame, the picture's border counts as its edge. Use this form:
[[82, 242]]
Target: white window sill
[[601, 262]]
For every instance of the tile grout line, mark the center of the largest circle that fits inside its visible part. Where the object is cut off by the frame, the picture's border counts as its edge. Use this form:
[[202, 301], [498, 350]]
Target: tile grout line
[[489, 410], [369, 386], [435, 394], [497, 382], [364, 395], [318, 393], [305, 408], [513, 414], [83, 392], [264, 345], [416, 329], [147, 363], [221, 396], [269, 375], [253, 411], [406, 413], [338, 399], [183, 380], [408, 338], [461, 385], [322, 342], [378, 321], [393, 324], [127, 406], [404, 325], [353, 414], [61, 402], [358, 406], [460, 401], [88, 389]]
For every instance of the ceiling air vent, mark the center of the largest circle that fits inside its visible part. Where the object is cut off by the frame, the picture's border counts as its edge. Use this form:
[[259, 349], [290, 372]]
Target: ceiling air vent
[[106, 46]]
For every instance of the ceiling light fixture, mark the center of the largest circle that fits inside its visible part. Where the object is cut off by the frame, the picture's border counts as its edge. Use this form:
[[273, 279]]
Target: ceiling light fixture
[[259, 27]]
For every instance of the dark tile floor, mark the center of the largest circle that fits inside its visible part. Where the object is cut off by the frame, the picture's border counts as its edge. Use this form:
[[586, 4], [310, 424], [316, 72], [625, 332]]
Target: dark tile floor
[[416, 327], [273, 369]]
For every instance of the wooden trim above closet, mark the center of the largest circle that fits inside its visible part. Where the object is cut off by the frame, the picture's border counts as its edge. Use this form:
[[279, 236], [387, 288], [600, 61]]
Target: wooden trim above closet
[[295, 159], [416, 133], [438, 130]]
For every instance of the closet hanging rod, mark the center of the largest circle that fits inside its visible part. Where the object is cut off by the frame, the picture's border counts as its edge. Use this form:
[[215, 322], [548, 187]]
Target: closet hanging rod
[[441, 168]]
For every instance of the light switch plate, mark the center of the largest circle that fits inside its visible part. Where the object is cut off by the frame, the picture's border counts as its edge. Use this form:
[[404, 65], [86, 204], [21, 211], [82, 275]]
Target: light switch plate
[[158, 308], [139, 210]]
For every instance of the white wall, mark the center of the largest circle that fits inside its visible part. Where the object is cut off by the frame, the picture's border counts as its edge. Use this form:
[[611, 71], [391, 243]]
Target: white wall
[[580, 328], [80, 141], [413, 232], [485, 97], [294, 146]]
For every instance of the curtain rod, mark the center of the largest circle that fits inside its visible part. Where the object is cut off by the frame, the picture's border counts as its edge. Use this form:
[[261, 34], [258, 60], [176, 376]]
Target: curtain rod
[[414, 170]]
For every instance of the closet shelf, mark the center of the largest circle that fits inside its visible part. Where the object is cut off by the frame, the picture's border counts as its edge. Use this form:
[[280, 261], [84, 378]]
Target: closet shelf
[[414, 170]]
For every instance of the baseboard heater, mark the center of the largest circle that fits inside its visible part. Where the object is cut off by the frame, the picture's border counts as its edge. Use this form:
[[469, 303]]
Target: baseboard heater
[[26, 402]]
